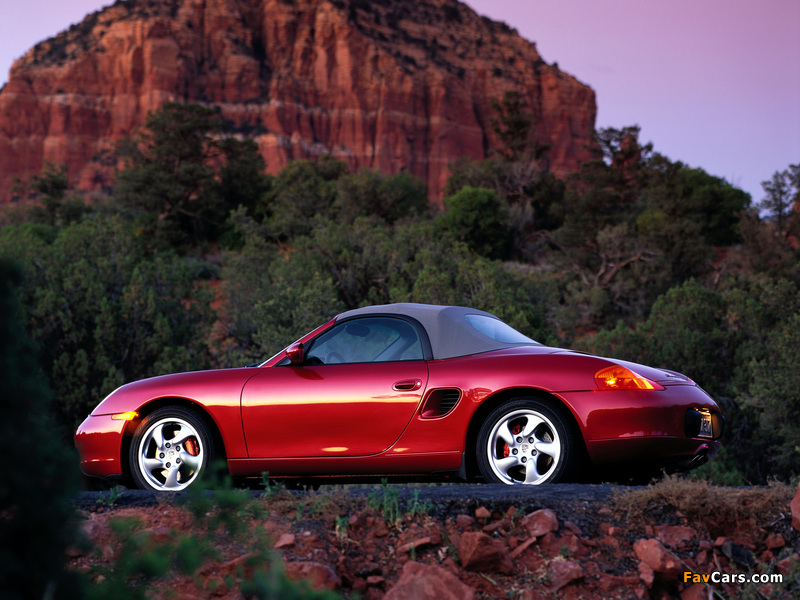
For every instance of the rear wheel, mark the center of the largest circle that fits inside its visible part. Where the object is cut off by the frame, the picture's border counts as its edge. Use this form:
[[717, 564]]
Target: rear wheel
[[172, 448], [526, 441]]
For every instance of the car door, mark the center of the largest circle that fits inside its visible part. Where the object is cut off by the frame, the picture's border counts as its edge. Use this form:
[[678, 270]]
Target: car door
[[353, 395]]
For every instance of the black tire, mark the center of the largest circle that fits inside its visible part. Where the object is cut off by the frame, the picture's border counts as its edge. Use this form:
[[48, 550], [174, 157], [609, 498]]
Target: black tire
[[171, 448], [527, 441]]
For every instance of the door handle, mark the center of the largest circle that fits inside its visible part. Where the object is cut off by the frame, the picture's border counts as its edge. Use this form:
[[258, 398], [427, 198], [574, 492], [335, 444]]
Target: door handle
[[407, 385]]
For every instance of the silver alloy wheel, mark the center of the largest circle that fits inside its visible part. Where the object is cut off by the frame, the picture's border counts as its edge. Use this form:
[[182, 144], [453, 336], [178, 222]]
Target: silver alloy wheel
[[523, 447], [170, 454]]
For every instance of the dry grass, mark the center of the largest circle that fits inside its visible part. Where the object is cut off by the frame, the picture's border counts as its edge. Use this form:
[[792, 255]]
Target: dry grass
[[326, 505], [698, 500]]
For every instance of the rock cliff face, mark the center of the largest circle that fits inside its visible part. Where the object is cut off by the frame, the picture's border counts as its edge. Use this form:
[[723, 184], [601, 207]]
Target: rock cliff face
[[383, 84]]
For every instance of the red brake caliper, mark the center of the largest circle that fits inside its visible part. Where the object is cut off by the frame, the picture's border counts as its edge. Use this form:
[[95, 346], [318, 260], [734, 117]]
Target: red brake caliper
[[515, 430], [191, 446]]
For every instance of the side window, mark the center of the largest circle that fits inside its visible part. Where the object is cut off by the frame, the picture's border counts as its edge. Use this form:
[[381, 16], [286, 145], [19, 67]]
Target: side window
[[370, 339]]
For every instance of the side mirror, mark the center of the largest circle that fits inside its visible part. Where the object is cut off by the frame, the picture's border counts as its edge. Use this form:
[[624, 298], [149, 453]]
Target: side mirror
[[296, 353]]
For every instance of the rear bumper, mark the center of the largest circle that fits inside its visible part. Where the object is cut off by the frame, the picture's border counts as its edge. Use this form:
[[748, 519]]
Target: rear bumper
[[657, 428], [99, 444], [671, 454]]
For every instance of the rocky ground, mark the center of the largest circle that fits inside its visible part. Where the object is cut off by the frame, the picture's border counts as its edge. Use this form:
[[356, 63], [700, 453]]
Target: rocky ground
[[460, 542]]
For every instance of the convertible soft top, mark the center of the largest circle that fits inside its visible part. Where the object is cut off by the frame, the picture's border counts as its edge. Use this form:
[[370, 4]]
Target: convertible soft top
[[452, 330]]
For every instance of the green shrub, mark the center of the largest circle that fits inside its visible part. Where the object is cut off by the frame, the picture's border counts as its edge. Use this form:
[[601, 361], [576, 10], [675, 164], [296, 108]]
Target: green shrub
[[37, 473]]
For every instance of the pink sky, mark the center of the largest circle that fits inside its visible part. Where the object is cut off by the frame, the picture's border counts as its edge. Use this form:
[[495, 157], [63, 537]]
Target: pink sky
[[713, 83]]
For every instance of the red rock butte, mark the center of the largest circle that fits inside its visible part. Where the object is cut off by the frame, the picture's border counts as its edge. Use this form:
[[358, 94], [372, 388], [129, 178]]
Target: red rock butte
[[389, 85]]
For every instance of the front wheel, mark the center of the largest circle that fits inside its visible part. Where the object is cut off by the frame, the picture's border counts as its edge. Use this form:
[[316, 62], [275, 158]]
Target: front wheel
[[171, 448], [526, 441]]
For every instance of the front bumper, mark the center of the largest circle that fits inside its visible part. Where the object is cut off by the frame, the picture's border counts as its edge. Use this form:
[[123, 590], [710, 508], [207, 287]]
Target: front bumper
[[99, 444]]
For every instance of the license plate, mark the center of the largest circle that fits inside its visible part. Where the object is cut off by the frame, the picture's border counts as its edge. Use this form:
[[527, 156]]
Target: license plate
[[706, 430]]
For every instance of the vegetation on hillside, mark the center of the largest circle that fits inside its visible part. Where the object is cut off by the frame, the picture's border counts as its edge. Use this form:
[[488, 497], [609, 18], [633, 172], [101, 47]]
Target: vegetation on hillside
[[200, 259]]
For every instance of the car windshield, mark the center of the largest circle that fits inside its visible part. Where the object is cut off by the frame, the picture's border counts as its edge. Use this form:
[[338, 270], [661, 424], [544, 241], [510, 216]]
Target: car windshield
[[497, 330]]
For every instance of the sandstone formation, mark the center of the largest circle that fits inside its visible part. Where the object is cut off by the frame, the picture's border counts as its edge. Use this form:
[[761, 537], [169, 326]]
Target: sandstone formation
[[390, 85]]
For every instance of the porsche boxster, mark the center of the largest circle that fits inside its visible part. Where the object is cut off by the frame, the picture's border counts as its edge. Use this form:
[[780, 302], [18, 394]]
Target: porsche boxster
[[408, 390]]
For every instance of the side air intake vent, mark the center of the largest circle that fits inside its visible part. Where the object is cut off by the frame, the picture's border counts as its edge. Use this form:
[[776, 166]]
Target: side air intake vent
[[440, 402]]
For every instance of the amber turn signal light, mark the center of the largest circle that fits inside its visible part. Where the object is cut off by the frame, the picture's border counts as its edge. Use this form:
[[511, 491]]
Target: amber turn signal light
[[126, 416]]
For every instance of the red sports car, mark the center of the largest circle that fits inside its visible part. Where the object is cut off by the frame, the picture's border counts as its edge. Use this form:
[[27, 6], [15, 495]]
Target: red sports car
[[405, 389]]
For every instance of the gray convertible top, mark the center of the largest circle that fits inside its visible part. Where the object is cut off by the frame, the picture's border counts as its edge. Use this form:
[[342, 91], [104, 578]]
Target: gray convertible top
[[452, 330]]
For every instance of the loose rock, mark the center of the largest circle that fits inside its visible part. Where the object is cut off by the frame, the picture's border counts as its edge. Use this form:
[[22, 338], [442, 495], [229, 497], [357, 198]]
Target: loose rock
[[428, 582], [418, 543], [564, 572], [285, 541], [478, 552], [540, 522], [675, 536], [318, 575], [795, 506], [663, 562]]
